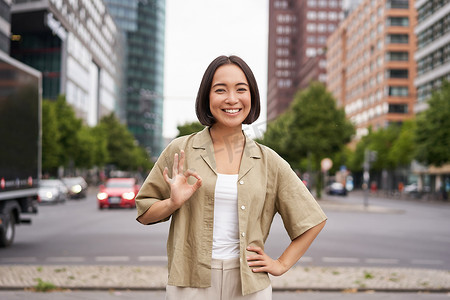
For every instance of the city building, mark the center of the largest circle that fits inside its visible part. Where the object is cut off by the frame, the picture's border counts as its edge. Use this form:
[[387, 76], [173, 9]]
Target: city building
[[433, 48], [433, 66], [5, 24], [77, 47], [143, 23], [370, 64], [298, 31]]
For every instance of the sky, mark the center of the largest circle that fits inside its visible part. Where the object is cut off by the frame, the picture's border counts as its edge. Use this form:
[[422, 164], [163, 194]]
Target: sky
[[197, 31]]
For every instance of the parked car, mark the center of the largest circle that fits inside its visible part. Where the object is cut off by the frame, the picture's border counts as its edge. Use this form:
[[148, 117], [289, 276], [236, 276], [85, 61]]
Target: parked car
[[336, 188], [118, 192], [77, 186], [52, 191]]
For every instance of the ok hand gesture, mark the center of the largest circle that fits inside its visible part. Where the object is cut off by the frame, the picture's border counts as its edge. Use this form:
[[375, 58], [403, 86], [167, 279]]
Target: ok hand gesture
[[180, 189]]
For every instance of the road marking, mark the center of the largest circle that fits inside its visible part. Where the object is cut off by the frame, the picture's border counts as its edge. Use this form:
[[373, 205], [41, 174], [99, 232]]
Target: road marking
[[112, 258], [19, 259], [426, 262], [152, 258], [340, 260], [66, 259], [382, 261]]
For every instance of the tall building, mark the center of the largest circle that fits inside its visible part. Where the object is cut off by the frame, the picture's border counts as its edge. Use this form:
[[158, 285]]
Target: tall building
[[370, 63], [5, 24], [143, 23], [298, 31], [433, 48], [77, 47]]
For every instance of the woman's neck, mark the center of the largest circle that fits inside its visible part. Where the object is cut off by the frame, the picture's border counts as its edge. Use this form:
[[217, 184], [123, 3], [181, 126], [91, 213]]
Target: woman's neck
[[226, 135]]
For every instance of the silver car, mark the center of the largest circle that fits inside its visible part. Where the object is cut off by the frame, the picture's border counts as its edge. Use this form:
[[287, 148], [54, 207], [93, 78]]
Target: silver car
[[52, 191]]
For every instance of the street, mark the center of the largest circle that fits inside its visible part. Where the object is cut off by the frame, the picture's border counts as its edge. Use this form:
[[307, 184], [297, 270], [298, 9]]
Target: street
[[399, 233]]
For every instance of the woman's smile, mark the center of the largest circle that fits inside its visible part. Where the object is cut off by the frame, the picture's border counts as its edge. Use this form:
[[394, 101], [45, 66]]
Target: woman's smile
[[229, 97]]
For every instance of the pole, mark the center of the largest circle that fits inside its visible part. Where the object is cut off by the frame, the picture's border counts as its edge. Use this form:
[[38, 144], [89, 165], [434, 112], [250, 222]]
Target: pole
[[366, 177]]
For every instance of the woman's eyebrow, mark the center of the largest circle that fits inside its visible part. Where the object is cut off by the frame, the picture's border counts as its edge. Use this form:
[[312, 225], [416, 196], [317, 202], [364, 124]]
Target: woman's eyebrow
[[223, 84]]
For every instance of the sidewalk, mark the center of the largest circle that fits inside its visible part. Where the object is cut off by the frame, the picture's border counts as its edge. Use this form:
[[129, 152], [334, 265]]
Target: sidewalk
[[155, 278]]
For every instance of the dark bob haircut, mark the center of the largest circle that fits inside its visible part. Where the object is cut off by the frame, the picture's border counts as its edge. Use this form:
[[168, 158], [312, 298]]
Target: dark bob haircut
[[202, 110]]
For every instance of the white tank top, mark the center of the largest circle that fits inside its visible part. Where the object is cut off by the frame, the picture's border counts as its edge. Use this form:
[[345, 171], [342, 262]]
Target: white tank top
[[226, 224]]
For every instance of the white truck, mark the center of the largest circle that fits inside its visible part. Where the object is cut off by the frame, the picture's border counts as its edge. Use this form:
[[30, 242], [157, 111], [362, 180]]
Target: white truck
[[20, 144]]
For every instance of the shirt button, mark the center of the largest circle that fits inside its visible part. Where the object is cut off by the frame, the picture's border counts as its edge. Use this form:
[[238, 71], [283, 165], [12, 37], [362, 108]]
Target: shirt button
[[241, 182], [243, 207], [243, 234]]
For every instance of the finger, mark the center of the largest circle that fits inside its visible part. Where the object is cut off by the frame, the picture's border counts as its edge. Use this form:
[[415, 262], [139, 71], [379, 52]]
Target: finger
[[257, 263], [166, 176], [198, 183], [254, 257], [175, 165], [255, 249], [260, 270], [181, 162]]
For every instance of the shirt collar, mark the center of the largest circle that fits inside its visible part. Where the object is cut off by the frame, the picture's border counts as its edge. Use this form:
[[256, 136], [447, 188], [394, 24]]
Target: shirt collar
[[202, 141]]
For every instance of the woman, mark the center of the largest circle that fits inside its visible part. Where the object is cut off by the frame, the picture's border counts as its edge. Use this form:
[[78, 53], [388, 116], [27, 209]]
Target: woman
[[223, 205]]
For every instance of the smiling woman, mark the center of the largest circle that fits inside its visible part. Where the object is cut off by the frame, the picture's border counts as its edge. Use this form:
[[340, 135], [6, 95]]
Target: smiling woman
[[222, 212]]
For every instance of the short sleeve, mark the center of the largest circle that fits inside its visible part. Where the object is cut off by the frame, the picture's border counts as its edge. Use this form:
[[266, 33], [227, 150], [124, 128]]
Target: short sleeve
[[297, 207], [154, 188]]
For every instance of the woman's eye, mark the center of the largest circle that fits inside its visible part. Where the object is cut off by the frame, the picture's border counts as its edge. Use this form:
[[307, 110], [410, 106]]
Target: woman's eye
[[219, 90], [242, 90]]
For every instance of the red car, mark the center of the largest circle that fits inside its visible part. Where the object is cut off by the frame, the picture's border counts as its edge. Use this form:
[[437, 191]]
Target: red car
[[118, 192]]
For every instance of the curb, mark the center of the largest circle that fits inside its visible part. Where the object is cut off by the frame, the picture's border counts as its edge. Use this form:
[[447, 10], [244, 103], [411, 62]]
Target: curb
[[145, 278]]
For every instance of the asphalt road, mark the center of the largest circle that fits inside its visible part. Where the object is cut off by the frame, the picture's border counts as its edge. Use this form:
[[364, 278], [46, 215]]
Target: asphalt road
[[402, 234]]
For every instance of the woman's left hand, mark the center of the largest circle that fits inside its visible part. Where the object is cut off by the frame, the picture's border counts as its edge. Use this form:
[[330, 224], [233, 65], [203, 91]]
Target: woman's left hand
[[261, 262]]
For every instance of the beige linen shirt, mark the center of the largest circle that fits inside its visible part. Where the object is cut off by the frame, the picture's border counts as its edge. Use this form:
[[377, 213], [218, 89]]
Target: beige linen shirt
[[266, 185]]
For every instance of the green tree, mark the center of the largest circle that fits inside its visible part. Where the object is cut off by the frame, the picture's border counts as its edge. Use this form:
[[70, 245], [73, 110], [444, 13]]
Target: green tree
[[51, 148], [189, 128], [356, 159], [68, 127], [313, 125], [381, 141], [85, 156], [433, 129], [120, 142], [100, 148], [403, 148], [124, 152]]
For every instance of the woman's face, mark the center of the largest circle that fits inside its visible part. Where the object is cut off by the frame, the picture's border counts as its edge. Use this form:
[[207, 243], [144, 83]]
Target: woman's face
[[229, 97]]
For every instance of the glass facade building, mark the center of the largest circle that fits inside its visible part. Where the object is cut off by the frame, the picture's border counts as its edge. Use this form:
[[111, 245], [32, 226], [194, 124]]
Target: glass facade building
[[143, 24], [433, 48], [5, 24], [77, 47]]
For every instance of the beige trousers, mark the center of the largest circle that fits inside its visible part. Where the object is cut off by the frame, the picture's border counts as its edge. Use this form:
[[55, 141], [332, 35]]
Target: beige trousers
[[225, 285]]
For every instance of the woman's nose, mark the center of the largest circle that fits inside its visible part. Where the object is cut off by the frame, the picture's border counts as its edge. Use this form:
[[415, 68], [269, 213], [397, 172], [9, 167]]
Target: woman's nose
[[232, 98]]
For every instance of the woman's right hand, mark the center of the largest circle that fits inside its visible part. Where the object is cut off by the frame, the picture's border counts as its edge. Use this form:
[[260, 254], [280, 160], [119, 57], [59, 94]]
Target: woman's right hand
[[180, 189]]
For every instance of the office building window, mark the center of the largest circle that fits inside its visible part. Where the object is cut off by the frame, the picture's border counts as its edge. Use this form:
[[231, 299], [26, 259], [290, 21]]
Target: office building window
[[397, 56], [397, 21], [311, 15], [402, 4], [429, 7], [398, 108], [398, 91], [397, 38], [397, 73], [312, 3]]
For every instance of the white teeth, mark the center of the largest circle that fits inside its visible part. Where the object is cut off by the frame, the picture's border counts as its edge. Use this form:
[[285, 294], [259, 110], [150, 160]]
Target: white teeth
[[231, 111]]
